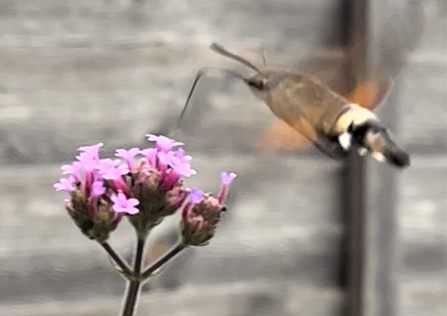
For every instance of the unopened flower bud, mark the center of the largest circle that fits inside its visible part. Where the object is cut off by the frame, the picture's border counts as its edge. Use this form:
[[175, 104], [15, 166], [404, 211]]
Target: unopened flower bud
[[202, 212], [95, 219], [155, 204], [199, 218]]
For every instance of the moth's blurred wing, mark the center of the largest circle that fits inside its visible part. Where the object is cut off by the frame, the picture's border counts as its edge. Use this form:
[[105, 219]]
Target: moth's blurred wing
[[282, 138], [370, 94], [397, 32]]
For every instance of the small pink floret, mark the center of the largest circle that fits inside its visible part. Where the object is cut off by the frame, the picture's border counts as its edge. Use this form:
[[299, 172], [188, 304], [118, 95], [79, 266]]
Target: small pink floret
[[227, 178], [65, 184], [92, 150], [163, 143], [128, 155], [123, 205], [195, 196], [98, 188]]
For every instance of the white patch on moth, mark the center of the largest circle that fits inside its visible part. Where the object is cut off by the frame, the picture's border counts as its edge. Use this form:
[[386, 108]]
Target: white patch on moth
[[356, 115], [362, 151], [345, 140], [361, 115], [378, 156]]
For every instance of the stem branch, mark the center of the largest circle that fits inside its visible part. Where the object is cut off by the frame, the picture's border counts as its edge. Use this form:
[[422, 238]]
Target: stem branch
[[133, 286], [117, 259], [161, 261]]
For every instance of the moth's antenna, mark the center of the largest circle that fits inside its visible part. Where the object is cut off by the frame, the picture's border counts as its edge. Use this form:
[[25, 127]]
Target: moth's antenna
[[220, 50], [264, 56], [193, 87]]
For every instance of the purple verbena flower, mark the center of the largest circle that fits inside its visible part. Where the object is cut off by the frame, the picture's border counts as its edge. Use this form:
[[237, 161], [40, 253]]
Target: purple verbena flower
[[195, 196], [98, 188], [180, 153], [73, 169], [164, 159], [121, 204], [226, 178], [151, 156], [181, 165], [111, 169], [163, 143], [128, 155], [172, 168], [145, 190], [91, 150], [65, 185], [87, 161], [104, 165]]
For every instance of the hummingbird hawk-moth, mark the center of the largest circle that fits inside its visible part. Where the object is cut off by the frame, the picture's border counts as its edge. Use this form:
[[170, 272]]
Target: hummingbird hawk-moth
[[333, 124]]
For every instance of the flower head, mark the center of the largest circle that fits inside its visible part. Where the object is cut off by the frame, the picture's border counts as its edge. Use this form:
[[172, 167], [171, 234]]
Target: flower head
[[202, 212], [199, 218], [90, 206], [144, 189]]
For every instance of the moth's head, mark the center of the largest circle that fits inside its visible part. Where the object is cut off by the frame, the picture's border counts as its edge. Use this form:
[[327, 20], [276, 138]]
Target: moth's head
[[259, 84], [256, 83]]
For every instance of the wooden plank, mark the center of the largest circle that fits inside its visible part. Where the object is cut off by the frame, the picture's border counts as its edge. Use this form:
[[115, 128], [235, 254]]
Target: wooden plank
[[378, 41], [353, 172]]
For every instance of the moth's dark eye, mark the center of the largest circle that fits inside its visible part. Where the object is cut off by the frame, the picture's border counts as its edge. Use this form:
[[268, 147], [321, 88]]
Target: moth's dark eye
[[257, 84]]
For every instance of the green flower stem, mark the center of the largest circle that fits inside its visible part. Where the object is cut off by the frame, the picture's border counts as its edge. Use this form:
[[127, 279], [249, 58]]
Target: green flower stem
[[133, 286], [161, 261], [132, 294], [117, 259]]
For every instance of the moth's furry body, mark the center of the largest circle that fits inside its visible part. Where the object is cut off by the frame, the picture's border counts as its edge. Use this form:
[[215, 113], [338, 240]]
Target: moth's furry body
[[331, 122], [289, 94], [327, 119]]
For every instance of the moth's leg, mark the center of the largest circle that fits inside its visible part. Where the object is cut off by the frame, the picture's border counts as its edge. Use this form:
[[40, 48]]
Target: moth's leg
[[331, 147]]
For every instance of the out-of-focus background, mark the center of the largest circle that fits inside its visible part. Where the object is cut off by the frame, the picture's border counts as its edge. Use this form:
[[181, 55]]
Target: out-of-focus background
[[74, 73]]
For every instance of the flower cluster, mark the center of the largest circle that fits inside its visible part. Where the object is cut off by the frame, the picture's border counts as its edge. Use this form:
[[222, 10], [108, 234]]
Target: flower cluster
[[202, 213], [145, 188]]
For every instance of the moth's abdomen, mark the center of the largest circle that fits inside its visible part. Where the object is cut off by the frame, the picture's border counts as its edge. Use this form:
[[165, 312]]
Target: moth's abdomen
[[376, 140], [397, 157]]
